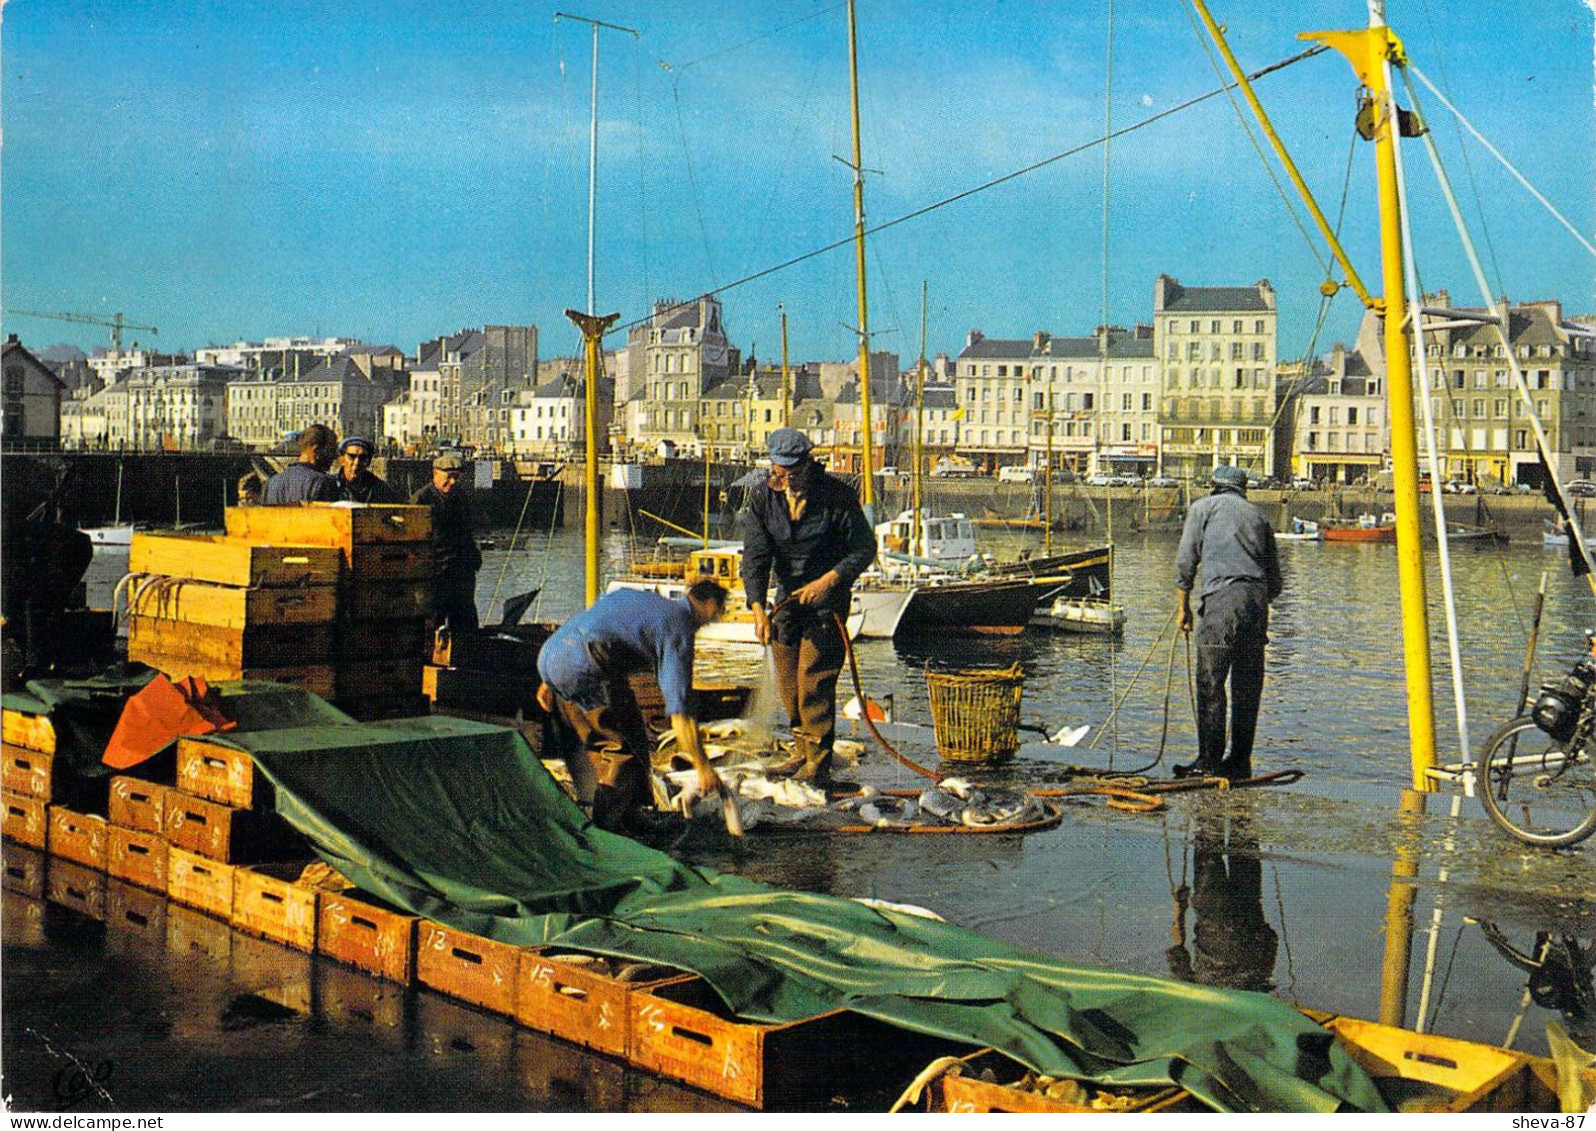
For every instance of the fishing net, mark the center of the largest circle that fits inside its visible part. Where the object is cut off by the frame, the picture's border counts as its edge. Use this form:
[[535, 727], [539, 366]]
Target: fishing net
[[976, 714]]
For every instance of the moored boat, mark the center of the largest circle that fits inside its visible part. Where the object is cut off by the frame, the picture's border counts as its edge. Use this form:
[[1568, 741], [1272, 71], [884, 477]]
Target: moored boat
[[1095, 615], [1367, 528], [1302, 530], [998, 608], [1073, 574]]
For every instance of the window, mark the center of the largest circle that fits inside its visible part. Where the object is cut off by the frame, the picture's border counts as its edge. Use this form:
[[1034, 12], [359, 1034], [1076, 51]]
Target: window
[[1086, 402], [1126, 404], [1213, 326], [1235, 327], [1313, 414], [1258, 327], [1036, 402], [1003, 371], [1499, 406], [1195, 327], [1235, 351], [1335, 415], [1352, 415], [1477, 408], [1125, 432]]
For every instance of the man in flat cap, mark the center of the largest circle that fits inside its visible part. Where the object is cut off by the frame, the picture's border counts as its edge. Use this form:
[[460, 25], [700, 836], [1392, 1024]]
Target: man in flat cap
[[1233, 544], [357, 483], [306, 480], [455, 555], [807, 529]]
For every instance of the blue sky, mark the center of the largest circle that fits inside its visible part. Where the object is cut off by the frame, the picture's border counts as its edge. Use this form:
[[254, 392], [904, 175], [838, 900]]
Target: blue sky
[[393, 171]]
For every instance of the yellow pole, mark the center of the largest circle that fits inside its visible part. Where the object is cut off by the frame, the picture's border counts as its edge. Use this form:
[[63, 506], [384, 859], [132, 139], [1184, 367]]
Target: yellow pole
[[592, 327], [1371, 51], [1397, 960], [706, 488], [917, 546], [868, 493]]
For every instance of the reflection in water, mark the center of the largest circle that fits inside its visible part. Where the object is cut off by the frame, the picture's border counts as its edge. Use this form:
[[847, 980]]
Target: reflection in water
[[1232, 944], [1559, 967]]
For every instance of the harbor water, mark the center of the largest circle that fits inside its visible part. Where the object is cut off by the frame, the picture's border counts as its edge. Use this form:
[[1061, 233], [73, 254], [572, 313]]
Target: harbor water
[[1284, 890]]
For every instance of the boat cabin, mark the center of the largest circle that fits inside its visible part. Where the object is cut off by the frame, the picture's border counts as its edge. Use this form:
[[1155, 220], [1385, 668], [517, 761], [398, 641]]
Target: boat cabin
[[948, 539]]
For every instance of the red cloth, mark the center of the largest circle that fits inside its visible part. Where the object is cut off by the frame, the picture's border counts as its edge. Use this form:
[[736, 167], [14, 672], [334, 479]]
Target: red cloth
[[159, 715]]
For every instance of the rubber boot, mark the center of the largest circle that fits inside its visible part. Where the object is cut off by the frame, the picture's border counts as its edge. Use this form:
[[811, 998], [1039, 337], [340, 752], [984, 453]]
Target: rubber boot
[[1197, 769], [816, 769]]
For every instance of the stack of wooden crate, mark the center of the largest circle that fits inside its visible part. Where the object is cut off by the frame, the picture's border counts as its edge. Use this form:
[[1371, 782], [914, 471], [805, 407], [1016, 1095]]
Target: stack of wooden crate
[[228, 608], [383, 632], [494, 672]]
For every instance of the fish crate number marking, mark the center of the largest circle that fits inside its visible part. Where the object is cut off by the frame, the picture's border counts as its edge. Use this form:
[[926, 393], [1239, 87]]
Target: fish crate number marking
[[382, 947], [439, 942], [961, 1107], [730, 1068], [542, 975]]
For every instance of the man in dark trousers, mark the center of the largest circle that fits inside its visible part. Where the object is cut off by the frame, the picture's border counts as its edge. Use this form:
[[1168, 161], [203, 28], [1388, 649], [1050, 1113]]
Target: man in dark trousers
[[807, 529], [1232, 542], [306, 481], [584, 669], [356, 481], [455, 555]]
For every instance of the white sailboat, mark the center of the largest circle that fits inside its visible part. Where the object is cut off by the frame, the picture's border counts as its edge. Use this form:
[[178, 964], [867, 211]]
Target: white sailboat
[[118, 533]]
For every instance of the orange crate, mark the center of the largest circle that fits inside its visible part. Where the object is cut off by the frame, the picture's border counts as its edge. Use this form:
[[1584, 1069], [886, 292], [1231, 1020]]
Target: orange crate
[[138, 804], [559, 996], [268, 902], [474, 969], [321, 524], [24, 771], [221, 774], [233, 836], [373, 937], [137, 857], [24, 820], [190, 933], [200, 882], [35, 732], [134, 913], [79, 837], [22, 870], [682, 1030], [75, 886], [388, 600]]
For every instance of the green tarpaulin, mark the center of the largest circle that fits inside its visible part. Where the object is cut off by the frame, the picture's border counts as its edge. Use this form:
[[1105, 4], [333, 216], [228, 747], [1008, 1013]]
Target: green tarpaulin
[[459, 822]]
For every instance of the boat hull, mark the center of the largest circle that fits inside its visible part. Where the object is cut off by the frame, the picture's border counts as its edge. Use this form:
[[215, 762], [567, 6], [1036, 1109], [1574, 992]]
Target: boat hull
[[882, 609], [1360, 534], [120, 534], [1084, 614], [1077, 574], [984, 608]]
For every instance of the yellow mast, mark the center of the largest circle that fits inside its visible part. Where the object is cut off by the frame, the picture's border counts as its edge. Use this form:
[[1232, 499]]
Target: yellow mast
[[593, 327], [1047, 480], [786, 389], [868, 492], [1371, 52], [917, 535]]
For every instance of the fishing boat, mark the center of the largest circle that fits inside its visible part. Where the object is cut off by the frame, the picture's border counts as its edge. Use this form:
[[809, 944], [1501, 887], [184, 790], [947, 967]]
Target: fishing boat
[[1302, 530], [1074, 574], [724, 566], [117, 533], [1469, 532], [1555, 533], [944, 605], [1367, 528], [945, 542]]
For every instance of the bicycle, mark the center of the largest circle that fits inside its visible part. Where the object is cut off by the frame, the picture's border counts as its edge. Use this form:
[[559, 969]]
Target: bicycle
[[1547, 795]]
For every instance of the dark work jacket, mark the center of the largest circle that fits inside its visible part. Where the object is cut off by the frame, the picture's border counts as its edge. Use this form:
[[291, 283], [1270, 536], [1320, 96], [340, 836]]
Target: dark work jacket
[[454, 539], [299, 483], [365, 488], [832, 535]]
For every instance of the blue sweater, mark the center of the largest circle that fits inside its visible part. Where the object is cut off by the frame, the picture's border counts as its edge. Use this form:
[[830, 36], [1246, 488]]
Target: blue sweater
[[627, 631]]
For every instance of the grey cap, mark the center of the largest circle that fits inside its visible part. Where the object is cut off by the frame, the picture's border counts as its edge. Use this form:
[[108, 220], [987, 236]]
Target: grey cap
[[788, 446], [1226, 475], [351, 441], [448, 463]]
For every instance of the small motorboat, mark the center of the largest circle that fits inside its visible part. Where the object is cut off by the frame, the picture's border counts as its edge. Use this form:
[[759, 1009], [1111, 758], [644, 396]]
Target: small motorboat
[[1302, 530], [1367, 528], [1082, 614]]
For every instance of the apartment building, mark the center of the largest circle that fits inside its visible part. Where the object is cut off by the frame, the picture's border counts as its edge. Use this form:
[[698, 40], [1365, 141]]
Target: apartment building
[[676, 357], [1337, 421], [551, 420], [176, 407], [1217, 348], [265, 408], [32, 393], [992, 386]]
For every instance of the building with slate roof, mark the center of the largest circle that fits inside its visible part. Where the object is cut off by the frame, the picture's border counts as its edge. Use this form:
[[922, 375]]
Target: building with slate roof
[[31, 401], [676, 358], [1334, 414], [551, 420], [267, 406], [1217, 349]]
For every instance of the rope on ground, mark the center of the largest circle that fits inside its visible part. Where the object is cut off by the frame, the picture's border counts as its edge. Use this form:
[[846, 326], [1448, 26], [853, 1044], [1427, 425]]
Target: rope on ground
[[864, 702]]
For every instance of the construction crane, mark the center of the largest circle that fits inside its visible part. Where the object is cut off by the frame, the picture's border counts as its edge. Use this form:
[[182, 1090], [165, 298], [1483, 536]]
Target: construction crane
[[116, 322]]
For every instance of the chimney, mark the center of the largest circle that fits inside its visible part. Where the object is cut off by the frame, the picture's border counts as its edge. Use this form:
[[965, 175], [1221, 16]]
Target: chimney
[[975, 336], [1040, 341]]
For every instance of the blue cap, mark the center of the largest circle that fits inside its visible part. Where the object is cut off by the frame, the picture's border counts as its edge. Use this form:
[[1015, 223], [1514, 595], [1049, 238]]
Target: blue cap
[[788, 446], [1226, 475], [350, 441]]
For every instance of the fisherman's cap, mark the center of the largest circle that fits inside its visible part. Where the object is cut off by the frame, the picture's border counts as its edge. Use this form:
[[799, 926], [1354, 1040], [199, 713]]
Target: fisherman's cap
[[351, 441], [448, 463], [788, 446], [1226, 475]]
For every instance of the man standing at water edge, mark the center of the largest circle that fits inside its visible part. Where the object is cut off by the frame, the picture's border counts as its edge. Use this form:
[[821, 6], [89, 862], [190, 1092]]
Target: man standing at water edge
[[809, 529], [455, 554], [1232, 542], [584, 669]]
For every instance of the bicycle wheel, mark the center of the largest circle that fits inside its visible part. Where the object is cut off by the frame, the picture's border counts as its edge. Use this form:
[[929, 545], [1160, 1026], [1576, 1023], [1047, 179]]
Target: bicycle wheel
[[1536, 788]]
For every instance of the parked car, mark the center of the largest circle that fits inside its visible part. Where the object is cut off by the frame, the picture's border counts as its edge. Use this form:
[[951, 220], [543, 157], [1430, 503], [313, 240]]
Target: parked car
[[1163, 481], [1303, 483], [1582, 489], [1016, 475], [1100, 480], [1459, 487]]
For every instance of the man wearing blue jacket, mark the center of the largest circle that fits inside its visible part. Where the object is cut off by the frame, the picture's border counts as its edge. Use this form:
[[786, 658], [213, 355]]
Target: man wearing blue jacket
[[1232, 543], [584, 668], [808, 530]]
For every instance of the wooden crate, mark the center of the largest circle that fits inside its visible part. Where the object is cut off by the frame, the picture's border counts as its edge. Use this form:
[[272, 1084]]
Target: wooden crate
[[75, 886], [255, 646], [967, 1092], [33, 732], [134, 913], [199, 882], [513, 650], [232, 561], [30, 773], [137, 857], [682, 1030], [138, 804], [22, 870], [580, 1005], [314, 678], [390, 561], [492, 693], [193, 934], [387, 600], [267, 901], [223, 774], [225, 606], [24, 819], [318, 524], [474, 969], [384, 678], [361, 640], [79, 837], [222, 833], [374, 937], [1426, 1072]]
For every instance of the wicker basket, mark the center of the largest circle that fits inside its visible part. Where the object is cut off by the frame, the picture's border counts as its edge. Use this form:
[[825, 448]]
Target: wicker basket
[[976, 714]]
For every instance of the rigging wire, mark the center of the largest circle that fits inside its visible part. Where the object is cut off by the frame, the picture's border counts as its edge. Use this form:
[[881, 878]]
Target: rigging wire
[[692, 180], [755, 39], [915, 214], [1246, 128]]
